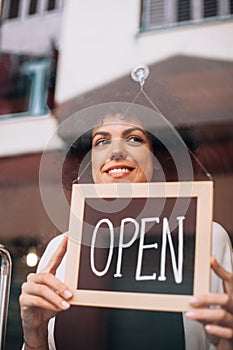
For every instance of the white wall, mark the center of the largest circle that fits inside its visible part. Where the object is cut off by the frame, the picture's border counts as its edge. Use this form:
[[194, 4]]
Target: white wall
[[23, 135], [33, 35], [100, 42]]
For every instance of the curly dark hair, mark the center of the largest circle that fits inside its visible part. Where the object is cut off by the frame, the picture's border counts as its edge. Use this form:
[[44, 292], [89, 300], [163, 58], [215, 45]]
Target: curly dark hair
[[77, 165]]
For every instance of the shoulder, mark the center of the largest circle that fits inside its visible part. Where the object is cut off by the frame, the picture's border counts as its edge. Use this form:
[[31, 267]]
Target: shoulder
[[220, 240], [219, 231], [222, 251]]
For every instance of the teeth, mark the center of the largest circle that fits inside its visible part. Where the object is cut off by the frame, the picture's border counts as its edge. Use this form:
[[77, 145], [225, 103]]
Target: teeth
[[118, 170]]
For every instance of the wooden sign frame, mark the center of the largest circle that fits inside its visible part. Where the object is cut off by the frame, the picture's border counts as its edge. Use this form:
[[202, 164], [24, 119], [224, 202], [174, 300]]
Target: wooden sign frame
[[201, 190]]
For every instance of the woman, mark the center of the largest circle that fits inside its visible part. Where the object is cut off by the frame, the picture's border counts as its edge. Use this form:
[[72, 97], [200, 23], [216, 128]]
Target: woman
[[122, 150]]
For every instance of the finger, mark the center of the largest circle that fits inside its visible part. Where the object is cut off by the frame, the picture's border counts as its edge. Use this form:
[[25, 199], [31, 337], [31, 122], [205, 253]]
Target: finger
[[221, 332], [57, 257], [220, 271], [218, 316], [207, 300], [225, 275], [44, 296], [28, 301], [50, 281]]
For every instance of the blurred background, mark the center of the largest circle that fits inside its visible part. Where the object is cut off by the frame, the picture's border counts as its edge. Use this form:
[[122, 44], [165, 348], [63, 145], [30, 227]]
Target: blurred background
[[60, 56]]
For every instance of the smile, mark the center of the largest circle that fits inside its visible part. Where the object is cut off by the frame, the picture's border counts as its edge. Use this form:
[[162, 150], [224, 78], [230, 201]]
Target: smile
[[120, 170]]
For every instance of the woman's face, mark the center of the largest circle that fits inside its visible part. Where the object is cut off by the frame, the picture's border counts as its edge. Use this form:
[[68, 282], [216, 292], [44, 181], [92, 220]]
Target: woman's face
[[121, 152]]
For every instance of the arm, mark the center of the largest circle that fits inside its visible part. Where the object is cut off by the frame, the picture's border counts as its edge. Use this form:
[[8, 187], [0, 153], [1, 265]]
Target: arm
[[215, 310], [42, 297]]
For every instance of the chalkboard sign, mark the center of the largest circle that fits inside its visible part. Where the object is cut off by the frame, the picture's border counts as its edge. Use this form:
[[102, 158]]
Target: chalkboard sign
[[139, 246]]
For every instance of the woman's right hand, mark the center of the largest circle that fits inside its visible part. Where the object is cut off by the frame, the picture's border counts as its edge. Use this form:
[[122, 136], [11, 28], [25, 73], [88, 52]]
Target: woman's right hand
[[42, 297]]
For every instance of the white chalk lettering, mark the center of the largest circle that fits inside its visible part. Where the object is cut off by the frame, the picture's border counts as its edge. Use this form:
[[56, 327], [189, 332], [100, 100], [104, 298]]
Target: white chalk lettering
[[167, 241], [111, 232], [177, 271], [125, 245], [143, 246]]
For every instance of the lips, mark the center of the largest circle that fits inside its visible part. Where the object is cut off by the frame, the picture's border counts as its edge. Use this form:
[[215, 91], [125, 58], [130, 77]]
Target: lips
[[118, 169]]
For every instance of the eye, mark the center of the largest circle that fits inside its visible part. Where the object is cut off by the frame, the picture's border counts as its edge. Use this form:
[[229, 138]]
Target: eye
[[135, 140], [101, 142]]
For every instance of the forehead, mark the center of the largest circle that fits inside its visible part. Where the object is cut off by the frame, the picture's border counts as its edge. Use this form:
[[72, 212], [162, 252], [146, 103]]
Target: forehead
[[117, 122]]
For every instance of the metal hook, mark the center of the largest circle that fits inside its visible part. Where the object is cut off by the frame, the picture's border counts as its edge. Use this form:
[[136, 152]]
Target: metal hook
[[140, 74]]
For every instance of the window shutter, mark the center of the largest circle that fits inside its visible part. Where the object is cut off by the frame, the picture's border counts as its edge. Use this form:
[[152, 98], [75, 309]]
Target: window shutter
[[32, 7], [231, 7], [183, 10], [210, 8], [13, 9], [157, 14]]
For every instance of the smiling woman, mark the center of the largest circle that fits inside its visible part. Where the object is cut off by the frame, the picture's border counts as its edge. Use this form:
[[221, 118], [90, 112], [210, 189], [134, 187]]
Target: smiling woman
[[121, 151], [111, 144], [145, 148]]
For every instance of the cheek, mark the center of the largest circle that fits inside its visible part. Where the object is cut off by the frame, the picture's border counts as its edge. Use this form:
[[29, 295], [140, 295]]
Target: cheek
[[145, 161], [94, 162], [142, 155], [97, 161]]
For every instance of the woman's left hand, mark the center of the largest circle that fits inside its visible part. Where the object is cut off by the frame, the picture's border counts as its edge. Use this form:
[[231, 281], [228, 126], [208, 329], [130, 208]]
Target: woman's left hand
[[218, 321]]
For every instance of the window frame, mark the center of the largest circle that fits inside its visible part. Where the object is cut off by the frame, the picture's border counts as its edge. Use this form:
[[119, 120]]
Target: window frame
[[170, 14]]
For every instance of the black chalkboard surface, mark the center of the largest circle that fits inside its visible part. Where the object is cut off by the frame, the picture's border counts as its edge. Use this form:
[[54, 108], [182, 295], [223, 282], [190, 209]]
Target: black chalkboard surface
[[140, 246]]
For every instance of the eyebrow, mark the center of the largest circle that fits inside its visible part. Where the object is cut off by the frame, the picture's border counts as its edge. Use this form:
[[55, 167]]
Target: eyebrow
[[124, 133], [102, 133]]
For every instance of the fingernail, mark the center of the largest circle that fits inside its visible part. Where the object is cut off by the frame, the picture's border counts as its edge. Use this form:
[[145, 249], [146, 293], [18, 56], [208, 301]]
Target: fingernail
[[208, 327], [193, 300], [65, 305], [67, 294], [190, 314]]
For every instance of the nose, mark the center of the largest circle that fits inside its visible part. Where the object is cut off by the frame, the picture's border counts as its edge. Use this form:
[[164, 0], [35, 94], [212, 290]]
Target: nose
[[118, 151], [118, 155]]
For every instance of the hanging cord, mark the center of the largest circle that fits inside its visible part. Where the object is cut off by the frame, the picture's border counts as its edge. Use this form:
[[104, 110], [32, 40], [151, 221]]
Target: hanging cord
[[82, 172], [140, 74]]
